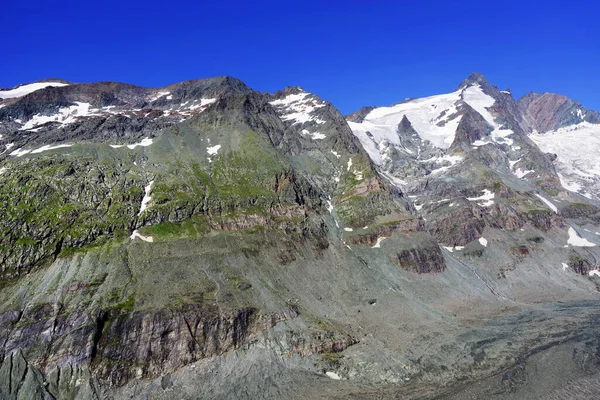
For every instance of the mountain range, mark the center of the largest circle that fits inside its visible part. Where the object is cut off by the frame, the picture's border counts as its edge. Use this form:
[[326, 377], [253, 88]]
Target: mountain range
[[206, 238]]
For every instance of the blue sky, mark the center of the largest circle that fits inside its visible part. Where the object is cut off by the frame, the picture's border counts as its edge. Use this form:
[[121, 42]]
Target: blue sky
[[352, 53]]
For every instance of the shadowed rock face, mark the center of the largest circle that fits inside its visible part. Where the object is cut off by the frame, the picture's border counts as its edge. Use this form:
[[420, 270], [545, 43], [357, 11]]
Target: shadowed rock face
[[549, 111], [423, 260], [207, 238]]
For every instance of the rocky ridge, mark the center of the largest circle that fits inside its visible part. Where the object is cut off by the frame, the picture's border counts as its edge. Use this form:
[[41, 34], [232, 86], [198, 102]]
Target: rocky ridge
[[153, 236]]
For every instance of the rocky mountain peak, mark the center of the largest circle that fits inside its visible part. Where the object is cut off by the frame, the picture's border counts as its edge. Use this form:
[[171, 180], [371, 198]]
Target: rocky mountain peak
[[549, 111], [476, 78]]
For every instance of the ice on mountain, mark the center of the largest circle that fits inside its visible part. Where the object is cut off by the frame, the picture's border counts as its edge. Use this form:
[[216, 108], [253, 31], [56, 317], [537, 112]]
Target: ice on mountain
[[577, 147], [298, 108], [26, 89]]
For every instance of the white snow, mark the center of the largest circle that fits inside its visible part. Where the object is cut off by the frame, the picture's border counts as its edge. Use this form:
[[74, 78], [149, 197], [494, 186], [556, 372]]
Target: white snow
[[298, 108], [578, 241], [158, 96], [594, 272], [65, 115], [313, 135], [434, 118], [378, 244], [333, 375], [348, 229], [349, 164], [49, 147], [329, 206], [453, 160], [22, 152], [577, 148], [565, 266], [3, 170], [203, 103], [26, 89], [2, 105], [453, 249], [144, 143], [519, 173], [135, 234], [213, 150], [483, 242], [146, 198], [480, 102], [479, 143], [485, 200], [335, 154], [19, 152], [548, 203]]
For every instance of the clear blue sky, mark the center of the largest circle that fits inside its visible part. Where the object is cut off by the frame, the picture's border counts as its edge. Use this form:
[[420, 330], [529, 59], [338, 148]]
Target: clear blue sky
[[352, 53]]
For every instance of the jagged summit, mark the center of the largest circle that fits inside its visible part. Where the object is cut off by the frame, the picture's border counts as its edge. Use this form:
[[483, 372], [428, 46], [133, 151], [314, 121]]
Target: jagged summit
[[473, 79]]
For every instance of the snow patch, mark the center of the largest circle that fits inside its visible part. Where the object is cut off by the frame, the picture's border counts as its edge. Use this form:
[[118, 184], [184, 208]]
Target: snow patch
[[519, 173], [22, 152], [65, 115], [483, 242], [158, 96], [298, 108], [485, 200], [26, 89], [480, 102], [335, 154], [348, 229], [329, 206], [144, 143], [213, 150], [378, 244], [333, 375], [578, 241], [313, 135], [548, 203], [565, 266], [136, 234], [594, 272], [146, 198]]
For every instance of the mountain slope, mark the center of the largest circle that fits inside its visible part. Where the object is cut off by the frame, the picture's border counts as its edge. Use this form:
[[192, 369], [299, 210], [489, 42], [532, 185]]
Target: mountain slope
[[208, 238]]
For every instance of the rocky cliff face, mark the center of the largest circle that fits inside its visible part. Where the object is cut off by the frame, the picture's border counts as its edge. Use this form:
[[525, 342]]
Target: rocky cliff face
[[205, 237]]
